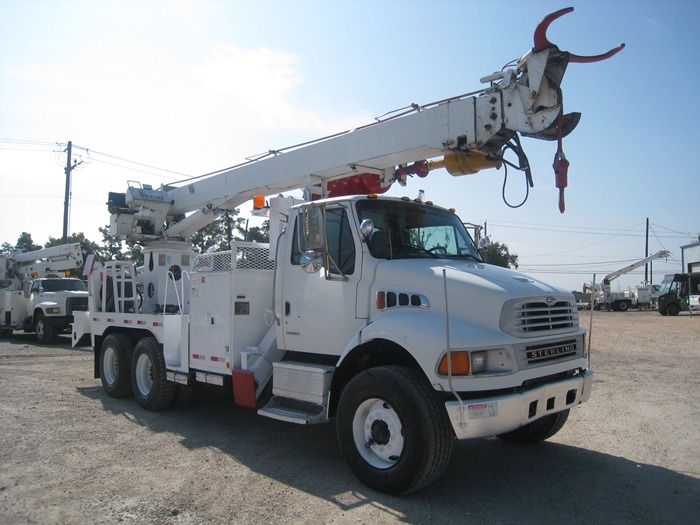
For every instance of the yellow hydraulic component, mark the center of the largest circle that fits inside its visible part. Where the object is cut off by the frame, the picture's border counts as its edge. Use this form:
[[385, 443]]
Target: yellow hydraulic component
[[464, 163]]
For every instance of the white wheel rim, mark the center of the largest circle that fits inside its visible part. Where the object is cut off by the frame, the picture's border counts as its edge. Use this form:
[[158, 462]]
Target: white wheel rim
[[40, 329], [110, 368], [144, 375], [378, 433]]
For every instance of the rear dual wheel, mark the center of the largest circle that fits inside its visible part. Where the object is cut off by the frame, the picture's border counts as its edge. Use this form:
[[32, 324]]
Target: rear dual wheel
[[148, 376], [115, 365]]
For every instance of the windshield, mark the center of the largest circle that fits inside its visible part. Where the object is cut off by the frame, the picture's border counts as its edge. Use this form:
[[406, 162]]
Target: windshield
[[666, 284], [63, 285], [405, 230]]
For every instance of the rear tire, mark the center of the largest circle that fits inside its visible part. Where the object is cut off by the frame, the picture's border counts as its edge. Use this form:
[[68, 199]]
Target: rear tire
[[624, 306], [115, 365], [150, 385], [393, 430], [543, 428], [43, 330]]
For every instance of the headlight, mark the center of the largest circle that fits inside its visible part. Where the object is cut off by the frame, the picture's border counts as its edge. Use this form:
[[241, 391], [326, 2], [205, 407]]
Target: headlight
[[479, 362]]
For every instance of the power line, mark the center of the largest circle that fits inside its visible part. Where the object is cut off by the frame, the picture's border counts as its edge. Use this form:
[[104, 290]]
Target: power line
[[583, 230], [93, 152]]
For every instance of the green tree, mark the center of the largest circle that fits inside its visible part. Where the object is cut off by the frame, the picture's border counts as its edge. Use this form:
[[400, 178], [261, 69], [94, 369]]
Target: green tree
[[133, 253], [6, 247], [219, 233], [497, 254], [26, 243], [111, 249], [259, 233]]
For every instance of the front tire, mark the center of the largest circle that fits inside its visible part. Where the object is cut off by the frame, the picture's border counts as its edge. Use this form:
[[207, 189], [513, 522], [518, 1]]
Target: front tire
[[115, 365], [393, 430], [543, 428], [150, 385], [673, 309], [43, 330]]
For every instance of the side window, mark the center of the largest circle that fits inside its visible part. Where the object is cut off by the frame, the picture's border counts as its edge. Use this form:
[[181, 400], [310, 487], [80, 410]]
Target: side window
[[297, 249], [35, 287], [341, 246]]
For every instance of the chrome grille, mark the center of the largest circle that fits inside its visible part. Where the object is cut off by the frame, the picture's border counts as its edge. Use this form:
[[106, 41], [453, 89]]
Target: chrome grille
[[533, 317], [538, 317]]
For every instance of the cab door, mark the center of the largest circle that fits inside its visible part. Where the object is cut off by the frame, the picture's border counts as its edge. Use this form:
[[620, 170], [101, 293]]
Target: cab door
[[318, 309]]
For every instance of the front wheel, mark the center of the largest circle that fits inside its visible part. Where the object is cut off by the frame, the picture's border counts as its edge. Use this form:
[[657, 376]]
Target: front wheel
[[539, 430], [393, 430], [43, 330], [673, 309], [148, 377]]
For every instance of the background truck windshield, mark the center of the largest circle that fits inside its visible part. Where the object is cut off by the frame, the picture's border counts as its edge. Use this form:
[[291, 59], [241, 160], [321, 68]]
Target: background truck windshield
[[63, 285], [405, 230]]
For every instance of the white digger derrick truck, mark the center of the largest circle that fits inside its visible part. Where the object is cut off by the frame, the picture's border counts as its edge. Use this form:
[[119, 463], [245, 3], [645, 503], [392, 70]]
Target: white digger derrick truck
[[37, 296], [621, 301], [376, 312]]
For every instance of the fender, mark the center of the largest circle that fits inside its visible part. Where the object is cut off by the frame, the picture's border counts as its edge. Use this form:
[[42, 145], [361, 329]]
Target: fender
[[49, 304], [422, 335]]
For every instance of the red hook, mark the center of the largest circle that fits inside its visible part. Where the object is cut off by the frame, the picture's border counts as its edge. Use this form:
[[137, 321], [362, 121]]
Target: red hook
[[541, 41]]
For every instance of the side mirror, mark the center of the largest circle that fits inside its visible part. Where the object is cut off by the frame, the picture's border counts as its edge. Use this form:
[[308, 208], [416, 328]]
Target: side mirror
[[311, 262], [366, 228], [484, 242]]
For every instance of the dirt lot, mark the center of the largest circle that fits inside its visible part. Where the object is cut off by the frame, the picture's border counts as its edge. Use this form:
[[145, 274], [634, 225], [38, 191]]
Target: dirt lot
[[70, 454]]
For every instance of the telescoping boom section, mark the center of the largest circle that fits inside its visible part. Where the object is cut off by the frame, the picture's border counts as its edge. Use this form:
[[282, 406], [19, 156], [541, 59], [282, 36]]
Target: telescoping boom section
[[377, 313]]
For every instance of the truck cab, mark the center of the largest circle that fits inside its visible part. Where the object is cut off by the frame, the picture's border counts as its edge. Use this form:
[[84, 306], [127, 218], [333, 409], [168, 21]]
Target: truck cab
[[45, 306], [676, 293]]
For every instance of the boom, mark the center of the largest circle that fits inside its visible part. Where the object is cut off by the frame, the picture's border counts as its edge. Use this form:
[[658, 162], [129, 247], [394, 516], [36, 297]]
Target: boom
[[622, 271], [54, 259], [470, 132]]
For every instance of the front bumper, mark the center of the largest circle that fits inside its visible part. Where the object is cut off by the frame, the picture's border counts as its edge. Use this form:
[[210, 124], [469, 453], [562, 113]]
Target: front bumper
[[496, 415]]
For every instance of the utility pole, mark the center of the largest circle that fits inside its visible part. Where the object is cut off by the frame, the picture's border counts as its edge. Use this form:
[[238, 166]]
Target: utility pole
[[646, 254], [66, 203]]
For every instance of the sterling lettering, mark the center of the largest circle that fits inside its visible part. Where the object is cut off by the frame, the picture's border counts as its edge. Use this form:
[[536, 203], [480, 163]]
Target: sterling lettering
[[549, 352]]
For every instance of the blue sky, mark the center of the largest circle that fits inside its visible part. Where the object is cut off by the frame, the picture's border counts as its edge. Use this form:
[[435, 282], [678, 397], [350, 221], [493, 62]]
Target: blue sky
[[195, 86]]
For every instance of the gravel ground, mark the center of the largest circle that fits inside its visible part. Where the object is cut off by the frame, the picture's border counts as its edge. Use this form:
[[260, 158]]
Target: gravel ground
[[71, 454]]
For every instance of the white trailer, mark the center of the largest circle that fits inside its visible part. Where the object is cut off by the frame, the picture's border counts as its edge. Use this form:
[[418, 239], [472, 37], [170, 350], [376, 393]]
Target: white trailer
[[376, 312]]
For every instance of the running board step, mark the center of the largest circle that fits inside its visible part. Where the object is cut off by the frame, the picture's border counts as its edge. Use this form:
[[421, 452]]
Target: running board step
[[293, 411], [300, 392]]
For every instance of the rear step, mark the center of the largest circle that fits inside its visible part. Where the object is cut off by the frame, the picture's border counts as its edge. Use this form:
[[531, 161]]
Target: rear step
[[300, 393]]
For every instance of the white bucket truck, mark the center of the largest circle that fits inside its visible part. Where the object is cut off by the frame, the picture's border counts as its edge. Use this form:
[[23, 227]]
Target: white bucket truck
[[376, 312], [37, 296]]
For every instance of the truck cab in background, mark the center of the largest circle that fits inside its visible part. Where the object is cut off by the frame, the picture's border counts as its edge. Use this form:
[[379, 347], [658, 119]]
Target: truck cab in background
[[37, 296], [678, 292]]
